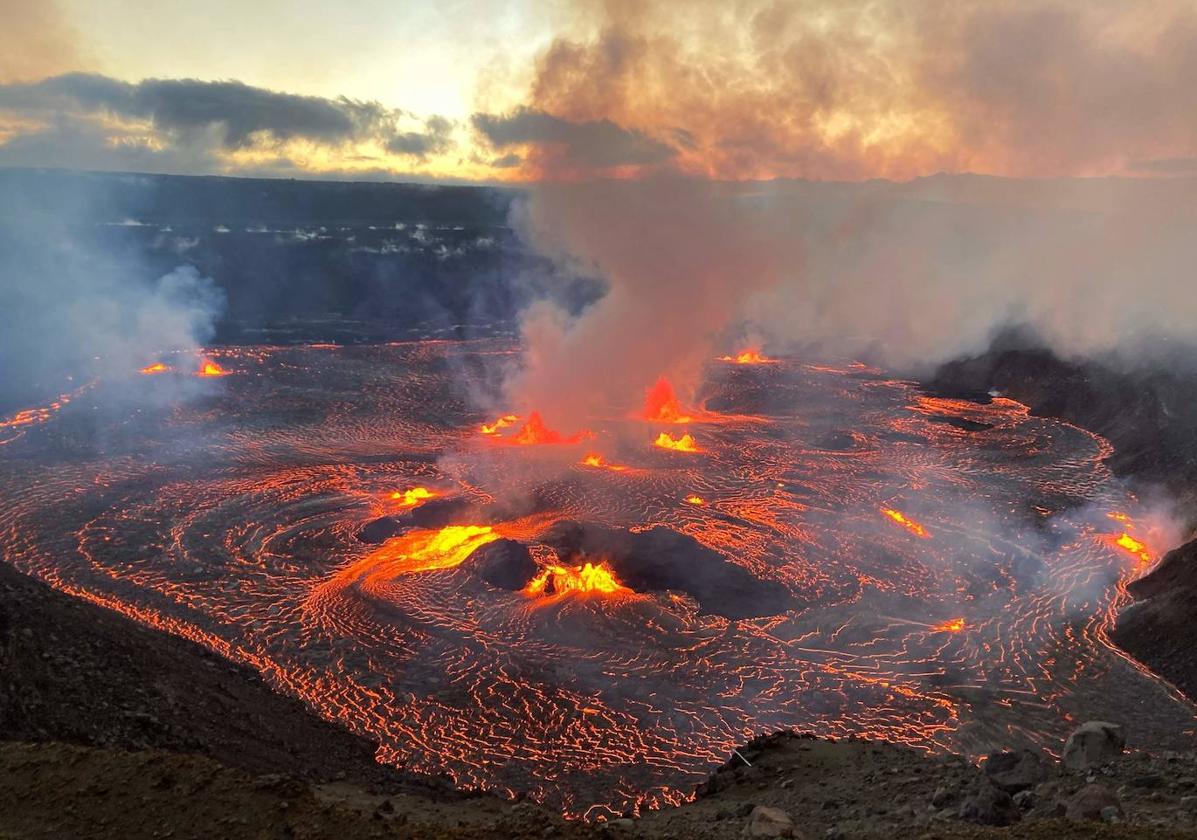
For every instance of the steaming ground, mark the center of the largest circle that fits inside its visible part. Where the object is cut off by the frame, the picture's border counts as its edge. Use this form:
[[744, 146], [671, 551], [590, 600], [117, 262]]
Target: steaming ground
[[234, 520]]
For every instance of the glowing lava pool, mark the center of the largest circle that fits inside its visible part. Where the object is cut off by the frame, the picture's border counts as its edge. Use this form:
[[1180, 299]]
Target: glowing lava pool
[[950, 570]]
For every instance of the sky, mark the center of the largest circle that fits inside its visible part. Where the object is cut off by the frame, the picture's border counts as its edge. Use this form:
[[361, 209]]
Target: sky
[[482, 90]]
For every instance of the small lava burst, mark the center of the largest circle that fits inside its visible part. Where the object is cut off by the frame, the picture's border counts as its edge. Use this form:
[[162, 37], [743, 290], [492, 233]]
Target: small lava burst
[[499, 424], [210, 368], [412, 497], [661, 404], [593, 459], [534, 431], [696, 500], [906, 522], [748, 357], [683, 444], [1128, 543], [589, 577], [952, 625], [157, 367]]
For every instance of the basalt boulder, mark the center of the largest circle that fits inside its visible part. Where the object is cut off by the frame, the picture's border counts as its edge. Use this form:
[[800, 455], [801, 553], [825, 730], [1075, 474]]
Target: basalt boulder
[[1093, 744], [1016, 771], [504, 563]]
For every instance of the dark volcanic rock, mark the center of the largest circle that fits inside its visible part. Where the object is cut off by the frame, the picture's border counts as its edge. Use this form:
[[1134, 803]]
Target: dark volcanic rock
[[990, 806], [380, 530], [1091, 803], [661, 558], [437, 513], [1012, 772], [504, 563], [1160, 629]]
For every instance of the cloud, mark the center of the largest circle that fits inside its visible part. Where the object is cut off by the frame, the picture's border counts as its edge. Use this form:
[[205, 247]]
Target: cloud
[[186, 125], [435, 139], [507, 161], [240, 111], [582, 145]]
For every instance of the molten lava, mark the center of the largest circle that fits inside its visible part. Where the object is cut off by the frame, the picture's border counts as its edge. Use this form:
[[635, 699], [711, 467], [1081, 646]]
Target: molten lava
[[661, 404], [558, 580], [210, 368], [412, 497], [534, 431], [424, 550], [499, 425], [748, 357], [952, 625], [906, 522], [593, 459], [157, 367], [696, 500], [683, 444], [1128, 543]]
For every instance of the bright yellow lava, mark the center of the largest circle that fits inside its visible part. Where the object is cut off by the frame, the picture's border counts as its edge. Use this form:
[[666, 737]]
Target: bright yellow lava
[[1129, 543], [683, 444], [412, 497], [427, 549], [906, 522], [585, 578]]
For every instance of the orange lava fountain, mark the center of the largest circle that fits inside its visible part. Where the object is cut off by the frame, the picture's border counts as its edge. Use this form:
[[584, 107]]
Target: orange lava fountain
[[157, 367], [683, 444], [906, 522], [661, 404], [558, 580], [748, 357], [210, 368], [696, 500], [536, 432]]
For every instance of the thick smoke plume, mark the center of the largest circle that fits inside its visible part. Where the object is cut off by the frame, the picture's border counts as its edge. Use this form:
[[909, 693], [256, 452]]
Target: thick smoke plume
[[861, 89], [78, 307], [903, 274]]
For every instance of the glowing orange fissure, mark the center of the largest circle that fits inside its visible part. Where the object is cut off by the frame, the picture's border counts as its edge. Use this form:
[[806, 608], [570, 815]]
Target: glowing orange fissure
[[157, 367], [589, 577], [683, 444], [906, 522], [661, 405], [952, 625]]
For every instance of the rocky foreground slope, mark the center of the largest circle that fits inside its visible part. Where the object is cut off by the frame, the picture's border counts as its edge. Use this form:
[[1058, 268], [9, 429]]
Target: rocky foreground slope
[[110, 729]]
